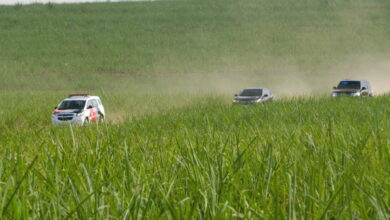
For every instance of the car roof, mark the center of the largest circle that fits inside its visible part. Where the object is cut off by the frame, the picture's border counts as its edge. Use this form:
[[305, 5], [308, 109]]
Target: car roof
[[81, 98], [254, 88], [349, 80], [77, 98]]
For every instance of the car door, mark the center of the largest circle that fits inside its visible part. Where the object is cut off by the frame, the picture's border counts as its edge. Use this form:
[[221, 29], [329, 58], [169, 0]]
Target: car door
[[364, 88], [266, 96], [93, 111], [271, 96], [369, 88], [100, 107]]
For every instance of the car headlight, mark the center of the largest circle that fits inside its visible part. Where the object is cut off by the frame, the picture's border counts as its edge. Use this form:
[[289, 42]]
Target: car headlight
[[79, 114], [235, 100], [356, 94], [334, 94]]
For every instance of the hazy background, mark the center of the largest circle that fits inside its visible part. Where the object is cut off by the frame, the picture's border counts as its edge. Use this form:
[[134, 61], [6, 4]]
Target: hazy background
[[173, 146], [13, 2], [214, 46]]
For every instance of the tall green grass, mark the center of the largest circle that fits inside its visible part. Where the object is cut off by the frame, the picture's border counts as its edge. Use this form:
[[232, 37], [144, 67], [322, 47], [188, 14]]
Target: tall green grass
[[173, 147], [300, 158]]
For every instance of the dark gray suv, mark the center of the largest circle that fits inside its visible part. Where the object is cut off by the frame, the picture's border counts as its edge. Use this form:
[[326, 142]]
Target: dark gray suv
[[253, 96], [359, 88]]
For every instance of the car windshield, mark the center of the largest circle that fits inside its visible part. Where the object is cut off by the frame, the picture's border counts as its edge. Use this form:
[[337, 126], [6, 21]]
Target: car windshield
[[72, 104], [251, 92], [349, 85]]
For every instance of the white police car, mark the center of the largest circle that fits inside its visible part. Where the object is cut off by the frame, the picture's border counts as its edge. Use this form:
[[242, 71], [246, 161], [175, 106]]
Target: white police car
[[78, 109]]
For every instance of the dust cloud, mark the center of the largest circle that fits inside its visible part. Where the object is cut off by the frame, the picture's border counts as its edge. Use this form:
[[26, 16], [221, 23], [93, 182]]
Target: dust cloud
[[287, 83], [376, 71]]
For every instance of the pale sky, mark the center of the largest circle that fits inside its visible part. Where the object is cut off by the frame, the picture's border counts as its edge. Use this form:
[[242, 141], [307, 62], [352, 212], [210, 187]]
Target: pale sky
[[13, 2]]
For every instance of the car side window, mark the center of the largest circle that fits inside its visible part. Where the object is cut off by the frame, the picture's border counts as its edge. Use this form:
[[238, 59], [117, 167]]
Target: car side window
[[94, 103], [89, 103], [365, 85]]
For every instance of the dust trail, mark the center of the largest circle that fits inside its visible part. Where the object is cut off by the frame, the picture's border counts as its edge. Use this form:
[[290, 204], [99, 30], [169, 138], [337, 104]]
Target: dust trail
[[375, 70], [291, 81], [282, 84]]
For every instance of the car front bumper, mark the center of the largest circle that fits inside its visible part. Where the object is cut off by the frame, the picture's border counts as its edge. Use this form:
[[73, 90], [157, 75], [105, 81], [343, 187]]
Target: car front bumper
[[249, 102], [75, 121]]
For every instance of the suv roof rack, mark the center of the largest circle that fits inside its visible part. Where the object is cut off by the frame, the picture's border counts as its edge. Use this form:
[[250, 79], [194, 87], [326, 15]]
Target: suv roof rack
[[82, 95]]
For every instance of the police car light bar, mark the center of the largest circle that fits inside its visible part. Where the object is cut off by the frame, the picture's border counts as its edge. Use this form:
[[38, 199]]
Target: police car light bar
[[72, 95]]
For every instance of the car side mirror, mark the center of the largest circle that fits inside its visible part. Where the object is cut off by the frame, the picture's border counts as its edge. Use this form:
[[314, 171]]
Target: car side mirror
[[89, 107], [265, 96], [235, 94], [364, 88], [55, 107], [334, 87]]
